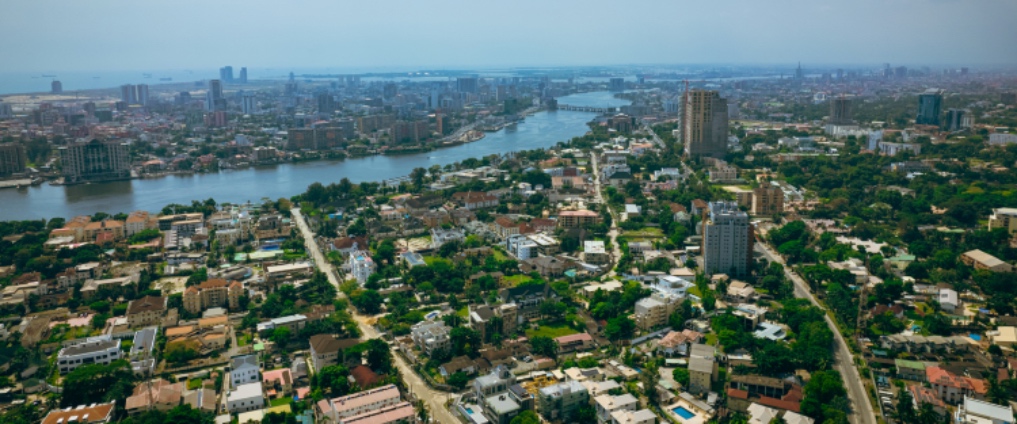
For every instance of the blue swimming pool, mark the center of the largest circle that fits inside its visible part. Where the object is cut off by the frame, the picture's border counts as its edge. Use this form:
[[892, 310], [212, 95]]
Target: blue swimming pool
[[469, 410], [684, 413]]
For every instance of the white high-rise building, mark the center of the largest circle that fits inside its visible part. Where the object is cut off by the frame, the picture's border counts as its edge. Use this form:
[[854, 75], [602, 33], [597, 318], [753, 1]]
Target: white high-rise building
[[248, 104], [727, 240]]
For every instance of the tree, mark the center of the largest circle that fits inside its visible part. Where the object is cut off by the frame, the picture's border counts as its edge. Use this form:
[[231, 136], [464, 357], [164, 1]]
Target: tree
[[98, 383], [681, 375], [379, 357], [458, 380], [368, 301], [905, 407], [465, 341], [650, 377], [526, 417], [334, 378], [543, 345], [619, 328], [820, 394], [281, 336]]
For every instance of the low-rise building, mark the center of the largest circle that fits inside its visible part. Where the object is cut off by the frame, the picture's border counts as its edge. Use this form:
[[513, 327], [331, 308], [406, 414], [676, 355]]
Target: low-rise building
[[431, 336], [95, 350], [607, 405], [361, 266], [146, 311], [243, 370], [594, 252], [339, 409], [984, 261], [560, 402], [702, 368], [246, 397], [84, 414], [213, 293], [325, 349], [974, 411], [575, 343]]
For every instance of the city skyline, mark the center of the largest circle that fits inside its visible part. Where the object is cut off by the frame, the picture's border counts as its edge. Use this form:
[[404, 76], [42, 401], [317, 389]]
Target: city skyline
[[529, 33]]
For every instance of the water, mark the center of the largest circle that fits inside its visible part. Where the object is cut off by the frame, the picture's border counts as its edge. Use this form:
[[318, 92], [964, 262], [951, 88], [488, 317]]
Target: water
[[541, 130]]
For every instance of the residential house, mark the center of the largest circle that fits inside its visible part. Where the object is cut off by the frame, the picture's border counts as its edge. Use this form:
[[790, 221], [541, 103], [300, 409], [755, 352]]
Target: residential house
[[578, 219], [575, 343], [278, 383], [463, 364], [243, 370], [546, 266], [948, 299], [85, 414], [952, 388], [594, 252], [246, 397], [159, 395], [340, 409], [561, 401], [474, 200], [325, 349], [146, 311], [676, 343], [974, 411], [361, 266], [606, 405]]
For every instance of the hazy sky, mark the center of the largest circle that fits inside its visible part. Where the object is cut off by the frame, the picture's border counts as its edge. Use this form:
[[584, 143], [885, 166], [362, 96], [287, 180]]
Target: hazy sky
[[50, 35]]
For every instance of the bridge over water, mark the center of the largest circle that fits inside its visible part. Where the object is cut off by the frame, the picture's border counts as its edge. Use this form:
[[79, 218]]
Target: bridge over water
[[595, 109]]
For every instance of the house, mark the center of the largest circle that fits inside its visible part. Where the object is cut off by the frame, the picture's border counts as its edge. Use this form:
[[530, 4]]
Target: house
[[431, 336], [440, 236], [546, 266], [93, 350], [243, 370], [402, 412], [910, 370], [278, 383], [974, 411], [463, 364], [642, 416], [676, 343], [575, 343], [702, 368], [246, 397], [84, 414], [203, 400], [741, 292], [561, 401], [948, 300], [921, 395], [653, 311], [953, 388], [527, 298], [146, 311], [159, 394], [277, 273], [339, 409], [984, 261], [759, 414], [325, 349], [594, 252], [365, 377], [213, 293], [606, 405]]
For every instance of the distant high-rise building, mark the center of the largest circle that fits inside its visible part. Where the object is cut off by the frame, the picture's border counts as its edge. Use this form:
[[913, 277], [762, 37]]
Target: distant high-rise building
[[958, 119], [248, 103], [930, 104], [226, 74], [616, 84], [326, 104], [128, 94], [56, 87], [141, 91], [901, 72], [292, 77], [184, 98], [215, 119], [799, 73], [409, 132], [6, 111], [214, 99], [727, 240], [290, 88], [467, 84], [964, 71], [704, 124], [89, 108], [243, 75], [95, 161], [840, 74], [12, 159], [840, 111]]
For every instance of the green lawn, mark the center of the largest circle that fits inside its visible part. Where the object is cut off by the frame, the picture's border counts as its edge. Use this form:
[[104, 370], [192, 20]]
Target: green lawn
[[550, 331], [244, 339], [194, 384], [711, 339], [516, 280], [647, 232], [463, 312], [280, 401]]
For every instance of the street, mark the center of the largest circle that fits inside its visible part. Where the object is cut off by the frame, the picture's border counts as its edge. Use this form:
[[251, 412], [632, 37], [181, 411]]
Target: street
[[861, 412], [613, 232], [434, 399]]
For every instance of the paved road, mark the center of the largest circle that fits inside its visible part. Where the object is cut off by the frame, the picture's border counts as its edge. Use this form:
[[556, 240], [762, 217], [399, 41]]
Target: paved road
[[861, 412], [613, 232], [435, 400]]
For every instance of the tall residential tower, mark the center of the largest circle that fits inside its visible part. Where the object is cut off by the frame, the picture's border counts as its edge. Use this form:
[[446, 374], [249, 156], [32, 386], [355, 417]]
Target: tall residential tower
[[704, 124]]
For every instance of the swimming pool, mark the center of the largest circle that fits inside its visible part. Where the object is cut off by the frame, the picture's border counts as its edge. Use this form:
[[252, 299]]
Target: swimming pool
[[684, 413], [469, 410]]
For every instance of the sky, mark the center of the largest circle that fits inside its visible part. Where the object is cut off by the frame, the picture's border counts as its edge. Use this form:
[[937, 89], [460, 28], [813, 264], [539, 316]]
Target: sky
[[51, 35]]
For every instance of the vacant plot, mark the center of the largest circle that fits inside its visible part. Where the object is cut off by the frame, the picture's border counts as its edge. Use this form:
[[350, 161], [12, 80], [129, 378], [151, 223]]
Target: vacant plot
[[550, 331]]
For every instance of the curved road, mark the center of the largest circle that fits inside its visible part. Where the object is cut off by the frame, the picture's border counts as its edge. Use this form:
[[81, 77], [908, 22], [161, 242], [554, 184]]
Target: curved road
[[434, 399], [861, 412]]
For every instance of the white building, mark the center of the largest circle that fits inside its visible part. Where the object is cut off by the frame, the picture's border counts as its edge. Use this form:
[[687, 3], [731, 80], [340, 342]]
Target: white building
[[607, 405], [440, 236], [727, 240], [246, 397], [642, 416], [339, 409], [974, 411], [93, 350], [948, 300], [431, 336], [361, 265], [243, 370]]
